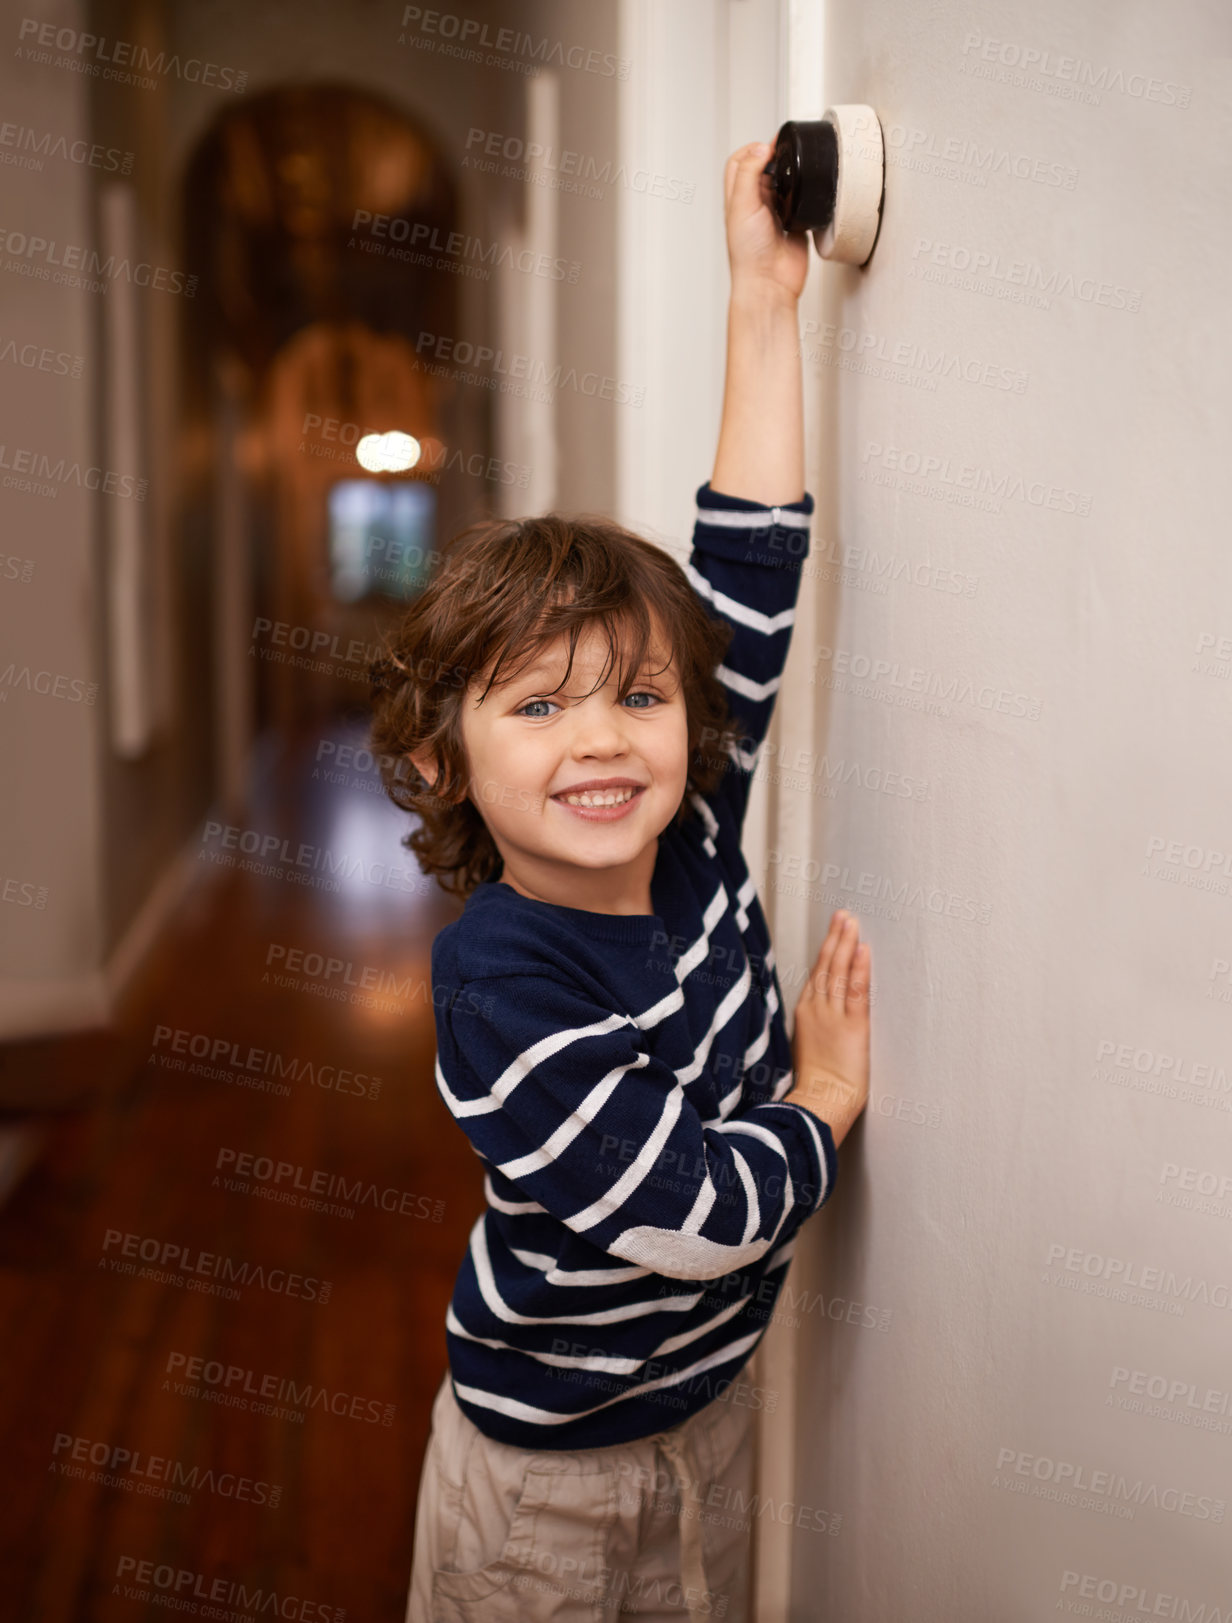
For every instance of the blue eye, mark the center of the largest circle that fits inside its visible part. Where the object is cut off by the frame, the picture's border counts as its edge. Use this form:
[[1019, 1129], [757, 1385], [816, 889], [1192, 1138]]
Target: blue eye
[[641, 693]]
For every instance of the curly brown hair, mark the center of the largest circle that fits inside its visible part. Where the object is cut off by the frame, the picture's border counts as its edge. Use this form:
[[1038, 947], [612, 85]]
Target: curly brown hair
[[501, 591]]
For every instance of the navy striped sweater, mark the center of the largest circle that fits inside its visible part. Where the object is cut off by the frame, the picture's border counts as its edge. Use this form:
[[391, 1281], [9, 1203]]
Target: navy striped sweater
[[619, 1077]]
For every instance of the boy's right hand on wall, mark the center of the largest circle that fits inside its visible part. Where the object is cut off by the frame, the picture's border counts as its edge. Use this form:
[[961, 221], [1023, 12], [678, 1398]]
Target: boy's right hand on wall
[[830, 1041]]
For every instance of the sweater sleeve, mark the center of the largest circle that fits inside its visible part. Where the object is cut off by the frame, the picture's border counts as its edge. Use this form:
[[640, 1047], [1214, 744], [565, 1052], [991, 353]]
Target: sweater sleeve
[[746, 565], [566, 1100]]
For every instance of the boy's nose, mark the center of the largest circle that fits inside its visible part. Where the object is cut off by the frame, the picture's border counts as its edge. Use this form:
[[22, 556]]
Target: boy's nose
[[598, 735]]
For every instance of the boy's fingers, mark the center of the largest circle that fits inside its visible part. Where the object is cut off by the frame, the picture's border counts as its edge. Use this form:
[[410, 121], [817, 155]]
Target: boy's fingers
[[822, 967], [857, 988], [743, 169], [730, 172], [840, 968]]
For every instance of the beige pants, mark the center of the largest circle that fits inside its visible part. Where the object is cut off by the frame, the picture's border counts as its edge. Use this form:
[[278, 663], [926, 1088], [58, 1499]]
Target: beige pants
[[659, 1528]]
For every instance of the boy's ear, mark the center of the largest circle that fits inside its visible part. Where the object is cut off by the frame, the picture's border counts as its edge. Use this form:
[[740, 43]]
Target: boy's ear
[[422, 760]]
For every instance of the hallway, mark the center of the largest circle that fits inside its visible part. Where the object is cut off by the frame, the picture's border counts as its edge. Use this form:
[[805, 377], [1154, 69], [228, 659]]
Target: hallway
[[290, 1024], [293, 295]]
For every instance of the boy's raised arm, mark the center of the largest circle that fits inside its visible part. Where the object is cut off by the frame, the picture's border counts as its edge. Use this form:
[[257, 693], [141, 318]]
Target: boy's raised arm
[[760, 453], [751, 533]]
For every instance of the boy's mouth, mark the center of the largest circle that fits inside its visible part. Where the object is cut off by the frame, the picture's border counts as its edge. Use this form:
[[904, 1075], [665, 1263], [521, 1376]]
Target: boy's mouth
[[599, 805]]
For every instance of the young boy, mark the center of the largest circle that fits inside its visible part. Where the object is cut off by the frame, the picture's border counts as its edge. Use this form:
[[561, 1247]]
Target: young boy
[[610, 1034]]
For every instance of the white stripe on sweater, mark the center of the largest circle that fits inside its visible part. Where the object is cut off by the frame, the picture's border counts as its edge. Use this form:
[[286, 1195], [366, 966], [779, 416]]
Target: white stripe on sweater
[[728, 518], [575, 1276], [755, 619], [496, 1303], [515, 1409], [745, 686], [535, 1160]]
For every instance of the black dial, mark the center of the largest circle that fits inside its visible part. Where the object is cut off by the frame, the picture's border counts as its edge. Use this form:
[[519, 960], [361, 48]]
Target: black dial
[[803, 172]]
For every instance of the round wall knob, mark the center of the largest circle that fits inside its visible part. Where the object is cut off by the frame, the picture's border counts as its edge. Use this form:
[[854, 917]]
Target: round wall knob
[[827, 176], [803, 173]]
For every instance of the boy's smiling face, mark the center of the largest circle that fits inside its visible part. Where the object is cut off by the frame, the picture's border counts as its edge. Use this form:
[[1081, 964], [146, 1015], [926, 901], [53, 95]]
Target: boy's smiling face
[[526, 745]]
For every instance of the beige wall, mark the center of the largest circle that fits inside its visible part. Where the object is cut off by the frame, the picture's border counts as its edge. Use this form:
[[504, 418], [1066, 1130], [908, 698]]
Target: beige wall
[[1055, 886]]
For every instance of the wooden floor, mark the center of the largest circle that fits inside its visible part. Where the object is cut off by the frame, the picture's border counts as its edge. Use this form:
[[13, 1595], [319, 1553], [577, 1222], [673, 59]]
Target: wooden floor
[[97, 1361]]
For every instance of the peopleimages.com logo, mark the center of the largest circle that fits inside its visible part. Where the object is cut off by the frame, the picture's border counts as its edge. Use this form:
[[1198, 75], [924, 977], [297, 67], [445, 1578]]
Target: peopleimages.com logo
[[118, 60], [76, 265], [178, 1588], [170, 1263]]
